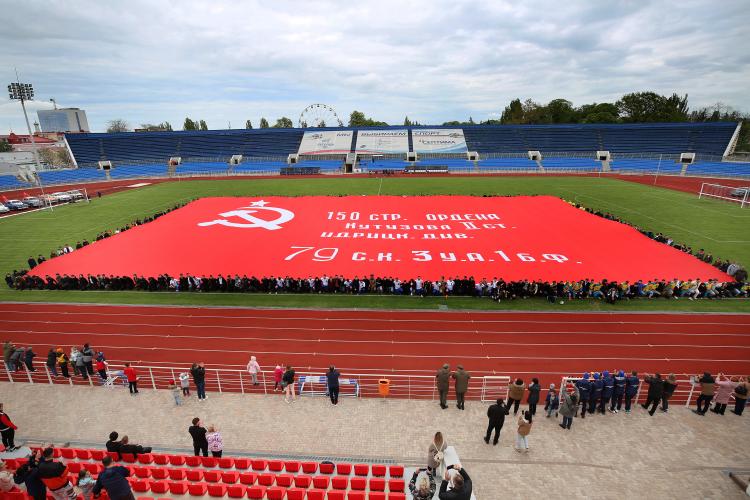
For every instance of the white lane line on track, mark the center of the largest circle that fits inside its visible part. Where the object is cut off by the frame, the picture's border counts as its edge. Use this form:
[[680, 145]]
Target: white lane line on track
[[354, 330], [383, 319], [437, 356], [387, 342]]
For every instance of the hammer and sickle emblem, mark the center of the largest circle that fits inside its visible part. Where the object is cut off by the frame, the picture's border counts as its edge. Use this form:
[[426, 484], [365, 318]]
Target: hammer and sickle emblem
[[244, 213]]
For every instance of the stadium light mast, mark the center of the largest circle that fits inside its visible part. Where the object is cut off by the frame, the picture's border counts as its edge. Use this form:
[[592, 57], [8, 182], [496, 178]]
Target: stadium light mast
[[23, 92]]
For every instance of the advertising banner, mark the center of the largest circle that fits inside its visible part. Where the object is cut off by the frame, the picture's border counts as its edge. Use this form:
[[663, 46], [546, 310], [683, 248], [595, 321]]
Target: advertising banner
[[439, 140], [326, 142], [383, 141]]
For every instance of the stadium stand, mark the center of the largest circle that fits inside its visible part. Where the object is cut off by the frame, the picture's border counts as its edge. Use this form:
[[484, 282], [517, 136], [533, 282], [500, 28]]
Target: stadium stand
[[239, 477], [11, 182]]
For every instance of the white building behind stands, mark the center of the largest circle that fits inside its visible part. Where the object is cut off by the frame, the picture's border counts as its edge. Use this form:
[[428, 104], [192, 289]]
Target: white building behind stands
[[67, 120]]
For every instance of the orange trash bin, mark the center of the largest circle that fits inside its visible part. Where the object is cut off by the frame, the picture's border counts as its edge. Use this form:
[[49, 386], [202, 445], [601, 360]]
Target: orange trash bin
[[384, 387]]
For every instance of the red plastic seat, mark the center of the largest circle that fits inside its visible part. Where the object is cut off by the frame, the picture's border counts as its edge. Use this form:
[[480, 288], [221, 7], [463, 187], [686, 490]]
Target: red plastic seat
[[98, 454], [209, 461], [194, 475], [236, 490], [212, 476], [396, 496], [160, 487], [160, 459], [225, 463], [309, 468], [111, 454], [266, 479], [177, 459], [377, 484], [256, 491], [142, 472], [193, 461], [159, 473], [376, 495], [68, 453], [197, 489], [339, 482], [396, 485], [73, 467], [248, 477], [83, 454], [217, 490], [128, 457], [11, 463], [291, 466], [141, 485], [275, 465], [361, 469], [178, 487], [276, 493], [230, 477], [355, 495], [284, 480], [379, 470], [176, 474], [295, 494], [326, 468], [358, 483], [396, 470], [343, 469], [316, 494], [321, 482], [302, 480], [146, 458], [93, 468], [15, 495], [336, 495], [259, 465], [242, 463]]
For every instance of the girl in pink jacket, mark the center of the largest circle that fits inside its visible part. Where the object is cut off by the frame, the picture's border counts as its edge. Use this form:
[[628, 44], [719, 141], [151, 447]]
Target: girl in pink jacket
[[278, 372]]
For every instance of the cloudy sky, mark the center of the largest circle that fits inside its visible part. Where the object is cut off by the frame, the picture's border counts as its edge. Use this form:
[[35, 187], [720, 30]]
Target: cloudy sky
[[435, 60]]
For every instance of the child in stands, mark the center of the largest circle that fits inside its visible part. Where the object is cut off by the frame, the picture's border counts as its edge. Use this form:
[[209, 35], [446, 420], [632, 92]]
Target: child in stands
[[85, 484], [185, 383]]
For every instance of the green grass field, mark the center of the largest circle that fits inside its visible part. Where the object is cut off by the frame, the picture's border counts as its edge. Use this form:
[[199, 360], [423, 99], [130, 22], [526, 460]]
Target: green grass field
[[718, 227]]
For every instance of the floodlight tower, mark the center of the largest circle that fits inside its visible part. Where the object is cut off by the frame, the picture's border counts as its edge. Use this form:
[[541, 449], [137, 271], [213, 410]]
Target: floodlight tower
[[23, 92]]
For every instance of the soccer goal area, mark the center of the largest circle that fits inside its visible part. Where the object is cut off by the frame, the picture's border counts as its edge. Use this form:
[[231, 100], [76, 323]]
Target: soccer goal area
[[735, 194]]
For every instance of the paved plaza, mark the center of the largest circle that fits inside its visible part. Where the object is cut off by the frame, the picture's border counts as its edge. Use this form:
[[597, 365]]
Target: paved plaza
[[674, 455]]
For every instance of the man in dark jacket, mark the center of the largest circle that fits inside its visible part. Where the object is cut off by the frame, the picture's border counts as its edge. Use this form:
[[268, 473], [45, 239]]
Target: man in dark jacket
[[597, 386], [655, 392], [618, 393], [198, 372], [442, 382], [52, 362], [28, 475], [670, 384], [462, 385], [29, 361], [88, 358], [54, 475], [198, 433], [460, 485], [112, 479], [607, 392], [113, 445], [496, 414], [133, 449], [332, 381]]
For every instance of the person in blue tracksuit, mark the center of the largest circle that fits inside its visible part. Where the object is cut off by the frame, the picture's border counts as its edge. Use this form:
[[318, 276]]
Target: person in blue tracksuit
[[584, 392], [607, 391], [631, 389], [596, 392], [618, 393]]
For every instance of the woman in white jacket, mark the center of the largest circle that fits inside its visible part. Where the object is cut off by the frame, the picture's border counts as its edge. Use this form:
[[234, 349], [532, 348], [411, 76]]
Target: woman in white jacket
[[254, 368]]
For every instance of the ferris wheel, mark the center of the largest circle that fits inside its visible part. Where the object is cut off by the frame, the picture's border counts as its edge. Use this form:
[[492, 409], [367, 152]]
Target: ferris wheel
[[319, 115]]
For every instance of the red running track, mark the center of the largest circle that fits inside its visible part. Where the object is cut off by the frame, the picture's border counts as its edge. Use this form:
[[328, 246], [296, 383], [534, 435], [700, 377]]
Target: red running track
[[515, 344]]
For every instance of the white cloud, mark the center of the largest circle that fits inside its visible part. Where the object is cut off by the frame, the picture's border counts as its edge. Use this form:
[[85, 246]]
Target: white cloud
[[432, 60]]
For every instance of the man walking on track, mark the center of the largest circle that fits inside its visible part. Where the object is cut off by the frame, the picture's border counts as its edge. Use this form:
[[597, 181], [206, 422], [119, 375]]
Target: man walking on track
[[462, 385], [442, 381]]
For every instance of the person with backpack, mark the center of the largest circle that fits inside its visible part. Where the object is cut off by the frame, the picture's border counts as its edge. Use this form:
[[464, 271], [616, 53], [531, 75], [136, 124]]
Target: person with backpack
[[740, 395]]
